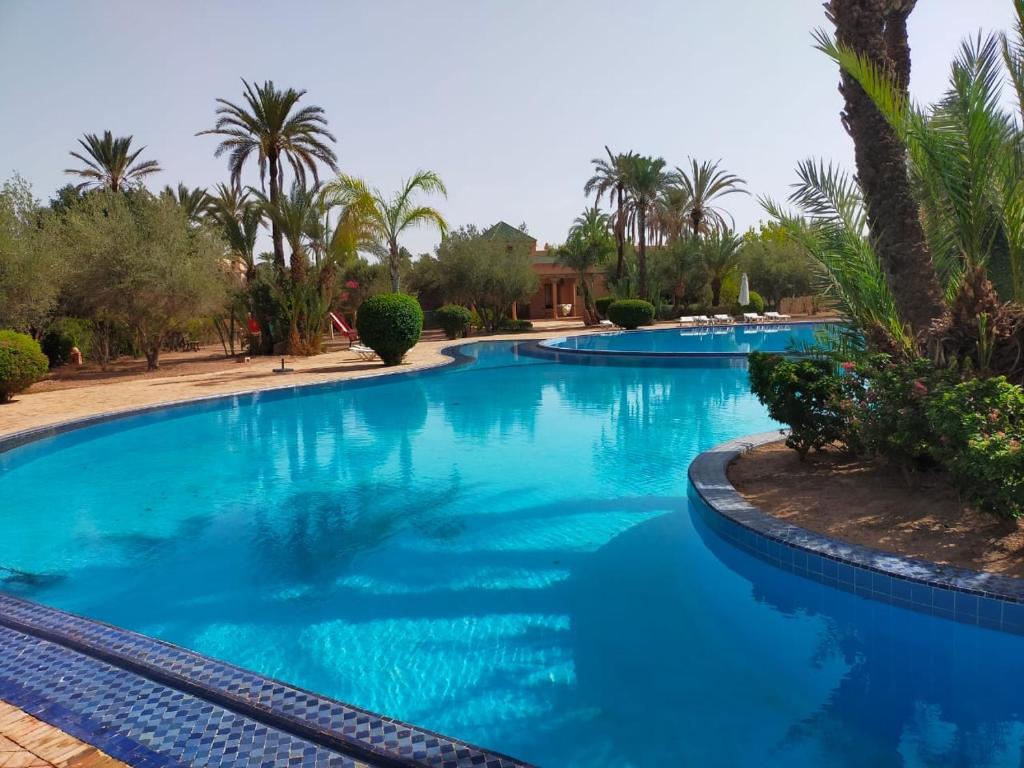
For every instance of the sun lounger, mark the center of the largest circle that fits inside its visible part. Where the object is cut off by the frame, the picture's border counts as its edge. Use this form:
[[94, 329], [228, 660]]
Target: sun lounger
[[752, 317], [722, 319], [776, 316], [606, 324], [687, 320], [364, 352], [703, 319]]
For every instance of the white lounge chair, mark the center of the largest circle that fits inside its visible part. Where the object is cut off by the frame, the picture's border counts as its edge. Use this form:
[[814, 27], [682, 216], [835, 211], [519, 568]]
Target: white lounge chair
[[721, 318], [364, 352], [687, 320], [776, 316], [752, 317], [703, 319], [606, 324]]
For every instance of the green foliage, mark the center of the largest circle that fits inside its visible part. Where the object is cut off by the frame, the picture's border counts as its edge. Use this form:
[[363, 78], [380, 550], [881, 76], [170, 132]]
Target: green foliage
[[110, 163], [602, 305], [631, 313], [453, 319], [390, 324], [22, 363], [63, 334], [775, 265], [487, 274], [756, 304], [515, 326], [979, 429], [805, 394]]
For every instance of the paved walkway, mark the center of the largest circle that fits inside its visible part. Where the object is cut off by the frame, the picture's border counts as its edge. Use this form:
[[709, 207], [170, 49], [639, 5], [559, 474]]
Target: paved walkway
[[26, 742]]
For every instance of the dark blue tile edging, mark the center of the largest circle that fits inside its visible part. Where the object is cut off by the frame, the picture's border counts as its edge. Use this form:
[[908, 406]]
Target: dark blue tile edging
[[984, 599], [322, 722]]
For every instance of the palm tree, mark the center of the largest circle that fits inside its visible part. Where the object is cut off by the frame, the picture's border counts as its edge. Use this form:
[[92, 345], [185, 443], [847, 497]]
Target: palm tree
[[238, 219], [588, 246], [610, 179], [671, 214], [193, 201], [702, 186], [384, 219], [296, 216], [876, 32], [645, 181], [720, 254], [271, 126], [110, 163]]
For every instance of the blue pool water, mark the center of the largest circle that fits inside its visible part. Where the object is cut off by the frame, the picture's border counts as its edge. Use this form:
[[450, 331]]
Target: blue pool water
[[504, 552], [722, 339]]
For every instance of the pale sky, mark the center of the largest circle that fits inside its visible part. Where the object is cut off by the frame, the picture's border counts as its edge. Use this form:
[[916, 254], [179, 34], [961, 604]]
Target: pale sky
[[508, 101]]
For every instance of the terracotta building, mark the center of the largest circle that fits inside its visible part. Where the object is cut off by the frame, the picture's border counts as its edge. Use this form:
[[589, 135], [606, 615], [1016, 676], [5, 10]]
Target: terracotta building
[[556, 295]]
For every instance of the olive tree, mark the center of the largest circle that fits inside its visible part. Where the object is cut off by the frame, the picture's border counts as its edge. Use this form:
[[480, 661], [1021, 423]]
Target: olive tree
[[489, 275], [137, 261]]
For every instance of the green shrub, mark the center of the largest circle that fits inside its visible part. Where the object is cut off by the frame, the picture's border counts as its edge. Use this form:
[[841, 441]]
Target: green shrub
[[62, 335], [454, 320], [979, 431], [602, 304], [22, 363], [756, 304], [631, 313], [514, 326], [804, 394], [390, 324]]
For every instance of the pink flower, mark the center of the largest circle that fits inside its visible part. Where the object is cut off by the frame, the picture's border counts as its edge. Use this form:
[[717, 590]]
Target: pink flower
[[994, 415], [353, 284], [847, 366], [920, 388], [344, 295]]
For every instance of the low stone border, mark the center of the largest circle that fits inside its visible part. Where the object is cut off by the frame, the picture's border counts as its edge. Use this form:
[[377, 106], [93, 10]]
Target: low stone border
[[972, 597]]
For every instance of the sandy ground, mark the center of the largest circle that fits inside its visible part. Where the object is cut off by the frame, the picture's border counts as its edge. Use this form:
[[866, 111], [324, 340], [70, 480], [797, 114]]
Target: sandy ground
[[870, 503]]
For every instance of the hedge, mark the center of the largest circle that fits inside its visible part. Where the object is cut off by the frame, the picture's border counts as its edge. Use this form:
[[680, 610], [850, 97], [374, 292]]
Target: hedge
[[631, 313], [453, 319]]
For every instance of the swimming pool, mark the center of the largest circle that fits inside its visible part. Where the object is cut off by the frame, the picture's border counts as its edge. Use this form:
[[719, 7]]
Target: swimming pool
[[503, 551], [702, 340]]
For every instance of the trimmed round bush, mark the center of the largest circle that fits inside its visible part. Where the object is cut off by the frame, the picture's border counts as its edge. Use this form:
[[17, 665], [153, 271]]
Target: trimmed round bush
[[453, 319], [602, 304], [756, 304], [22, 363], [631, 313], [390, 324], [56, 345]]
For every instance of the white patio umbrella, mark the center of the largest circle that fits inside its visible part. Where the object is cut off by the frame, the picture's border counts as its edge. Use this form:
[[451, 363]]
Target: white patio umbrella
[[744, 290]]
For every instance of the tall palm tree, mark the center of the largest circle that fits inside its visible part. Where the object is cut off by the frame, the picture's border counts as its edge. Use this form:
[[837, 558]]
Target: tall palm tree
[[610, 179], [720, 254], [588, 246], [387, 218], [296, 216], [671, 214], [110, 163], [703, 184], [645, 181], [272, 126], [876, 31], [193, 201]]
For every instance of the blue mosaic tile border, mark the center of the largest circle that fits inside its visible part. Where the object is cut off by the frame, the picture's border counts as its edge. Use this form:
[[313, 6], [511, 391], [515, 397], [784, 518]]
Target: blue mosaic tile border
[[539, 351], [983, 599], [152, 703]]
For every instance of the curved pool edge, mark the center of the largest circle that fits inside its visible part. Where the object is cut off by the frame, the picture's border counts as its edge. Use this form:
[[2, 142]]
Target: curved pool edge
[[971, 597], [552, 344], [12, 440], [198, 681], [367, 738]]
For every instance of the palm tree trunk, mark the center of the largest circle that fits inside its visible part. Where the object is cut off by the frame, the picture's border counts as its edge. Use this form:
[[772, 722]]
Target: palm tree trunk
[[620, 235], [393, 263], [275, 192], [893, 214], [641, 254]]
